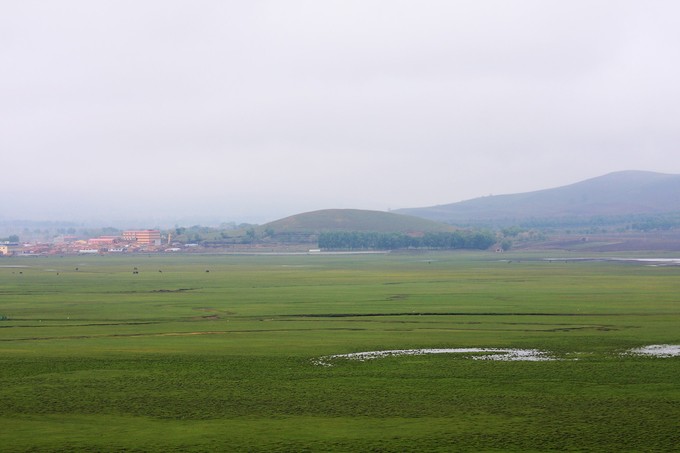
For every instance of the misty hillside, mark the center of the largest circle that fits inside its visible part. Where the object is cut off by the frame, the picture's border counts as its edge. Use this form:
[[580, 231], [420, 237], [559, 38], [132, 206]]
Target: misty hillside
[[354, 220], [623, 193]]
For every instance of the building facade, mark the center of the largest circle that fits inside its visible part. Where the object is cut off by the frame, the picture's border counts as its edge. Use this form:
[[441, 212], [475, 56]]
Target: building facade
[[143, 237]]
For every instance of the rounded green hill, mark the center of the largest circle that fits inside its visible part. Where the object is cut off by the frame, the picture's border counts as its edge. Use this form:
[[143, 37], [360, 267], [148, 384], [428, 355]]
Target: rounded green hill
[[354, 220]]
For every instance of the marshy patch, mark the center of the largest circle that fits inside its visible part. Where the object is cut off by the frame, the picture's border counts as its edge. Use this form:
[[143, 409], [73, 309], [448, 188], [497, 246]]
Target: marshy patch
[[178, 290], [602, 328], [205, 318], [497, 354], [644, 261], [657, 350], [427, 313]]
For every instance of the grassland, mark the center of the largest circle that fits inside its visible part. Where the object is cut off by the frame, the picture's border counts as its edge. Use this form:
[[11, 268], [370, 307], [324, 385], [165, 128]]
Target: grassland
[[217, 353]]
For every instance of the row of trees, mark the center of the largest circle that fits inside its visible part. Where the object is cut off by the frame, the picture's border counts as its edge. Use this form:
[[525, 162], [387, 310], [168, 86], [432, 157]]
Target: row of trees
[[355, 240], [635, 222], [660, 222]]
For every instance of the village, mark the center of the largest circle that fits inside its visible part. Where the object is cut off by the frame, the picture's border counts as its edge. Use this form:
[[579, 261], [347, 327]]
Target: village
[[128, 242]]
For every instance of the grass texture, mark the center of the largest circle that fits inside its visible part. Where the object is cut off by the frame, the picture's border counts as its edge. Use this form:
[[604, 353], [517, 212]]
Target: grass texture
[[218, 353]]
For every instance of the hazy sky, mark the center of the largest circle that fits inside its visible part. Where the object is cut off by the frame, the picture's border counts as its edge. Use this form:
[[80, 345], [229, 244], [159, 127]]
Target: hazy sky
[[254, 110]]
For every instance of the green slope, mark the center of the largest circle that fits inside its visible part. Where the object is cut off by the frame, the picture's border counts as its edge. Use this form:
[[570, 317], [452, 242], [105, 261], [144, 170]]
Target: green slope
[[354, 220]]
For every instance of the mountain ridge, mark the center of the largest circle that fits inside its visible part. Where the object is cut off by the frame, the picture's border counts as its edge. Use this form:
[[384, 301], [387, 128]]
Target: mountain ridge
[[620, 193]]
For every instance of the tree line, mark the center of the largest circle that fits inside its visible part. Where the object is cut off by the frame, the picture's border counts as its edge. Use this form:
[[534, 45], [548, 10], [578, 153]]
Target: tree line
[[357, 240]]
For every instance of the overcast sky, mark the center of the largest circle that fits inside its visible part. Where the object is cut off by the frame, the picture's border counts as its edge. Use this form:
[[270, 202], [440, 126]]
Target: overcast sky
[[163, 110]]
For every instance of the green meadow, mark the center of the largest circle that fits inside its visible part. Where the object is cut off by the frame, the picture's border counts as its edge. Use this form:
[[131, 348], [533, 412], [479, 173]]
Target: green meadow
[[219, 353]]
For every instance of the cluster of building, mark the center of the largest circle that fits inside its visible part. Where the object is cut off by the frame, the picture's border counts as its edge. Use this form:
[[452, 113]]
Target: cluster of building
[[128, 241]]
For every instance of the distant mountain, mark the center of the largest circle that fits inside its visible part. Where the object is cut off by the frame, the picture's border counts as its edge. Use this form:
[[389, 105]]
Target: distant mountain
[[625, 193], [354, 220]]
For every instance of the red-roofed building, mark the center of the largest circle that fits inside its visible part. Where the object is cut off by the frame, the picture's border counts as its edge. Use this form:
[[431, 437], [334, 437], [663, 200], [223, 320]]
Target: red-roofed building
[[103, 240]]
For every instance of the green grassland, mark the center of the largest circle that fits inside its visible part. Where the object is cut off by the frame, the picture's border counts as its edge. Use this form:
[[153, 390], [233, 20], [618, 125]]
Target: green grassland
[[217, 353]]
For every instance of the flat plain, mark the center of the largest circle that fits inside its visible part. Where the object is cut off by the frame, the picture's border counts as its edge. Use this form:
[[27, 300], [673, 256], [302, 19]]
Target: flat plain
[[221, 353]]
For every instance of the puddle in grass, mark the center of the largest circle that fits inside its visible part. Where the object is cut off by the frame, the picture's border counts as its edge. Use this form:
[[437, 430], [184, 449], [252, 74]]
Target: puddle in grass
[[658, 350], [530, 355], [646, 261], [497, 354]]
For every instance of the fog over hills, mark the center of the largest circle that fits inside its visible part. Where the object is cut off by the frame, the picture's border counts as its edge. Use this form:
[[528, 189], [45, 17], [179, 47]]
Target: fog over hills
[[622, 193], [618, 194]]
